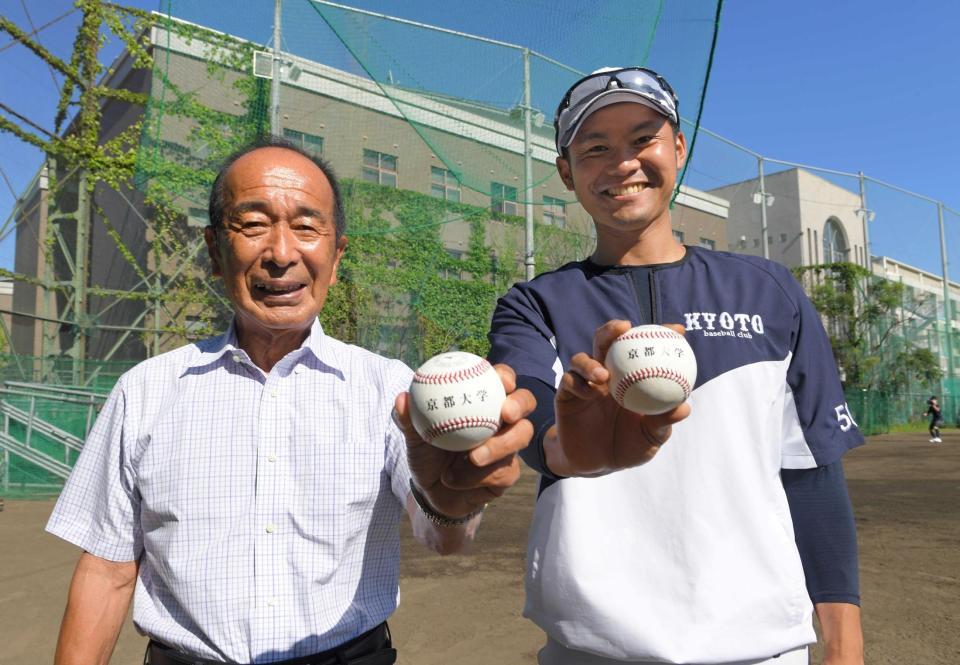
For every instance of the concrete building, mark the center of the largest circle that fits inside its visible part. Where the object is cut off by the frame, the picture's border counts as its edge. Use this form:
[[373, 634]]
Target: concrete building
[[810, 220], [924, 311], [388, 139]]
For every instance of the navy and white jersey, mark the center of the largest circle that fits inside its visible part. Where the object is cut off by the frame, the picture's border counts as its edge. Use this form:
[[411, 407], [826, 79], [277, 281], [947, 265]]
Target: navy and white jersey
[[691, 557]]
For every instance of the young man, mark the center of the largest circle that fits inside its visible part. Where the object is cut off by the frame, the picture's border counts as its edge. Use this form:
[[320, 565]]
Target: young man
[[707, 545], [248, 488], [936, 419]]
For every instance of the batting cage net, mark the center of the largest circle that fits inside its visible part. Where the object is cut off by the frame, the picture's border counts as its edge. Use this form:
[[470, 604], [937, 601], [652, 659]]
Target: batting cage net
[[439, 122], [437, 118]]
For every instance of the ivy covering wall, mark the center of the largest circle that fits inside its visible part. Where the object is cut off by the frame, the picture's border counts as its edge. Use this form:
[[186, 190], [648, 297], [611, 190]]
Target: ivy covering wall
[[401, 292]]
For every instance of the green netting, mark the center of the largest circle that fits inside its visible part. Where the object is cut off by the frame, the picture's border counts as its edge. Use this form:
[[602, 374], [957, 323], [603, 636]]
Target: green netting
[[879, 413], [427, 126], [460, 82], [425, 110], [95, 375], [37, 393]]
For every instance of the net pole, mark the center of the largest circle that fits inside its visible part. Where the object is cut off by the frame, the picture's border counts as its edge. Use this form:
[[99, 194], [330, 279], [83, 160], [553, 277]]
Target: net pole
[[43, 267], [865, 217], [763, 211], [947, 305], [527, 169], [867, 258], [275, 80]]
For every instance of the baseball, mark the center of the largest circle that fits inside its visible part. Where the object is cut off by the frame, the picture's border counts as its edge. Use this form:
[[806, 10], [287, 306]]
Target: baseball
[[652, 369], [455, 400]]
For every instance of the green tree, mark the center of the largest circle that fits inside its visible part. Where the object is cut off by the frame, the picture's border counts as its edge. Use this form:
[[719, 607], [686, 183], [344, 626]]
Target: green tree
[[867, 318]]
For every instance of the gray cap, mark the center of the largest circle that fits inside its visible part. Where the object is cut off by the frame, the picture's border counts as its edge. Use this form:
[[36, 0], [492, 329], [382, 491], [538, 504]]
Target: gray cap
[[611, 85]]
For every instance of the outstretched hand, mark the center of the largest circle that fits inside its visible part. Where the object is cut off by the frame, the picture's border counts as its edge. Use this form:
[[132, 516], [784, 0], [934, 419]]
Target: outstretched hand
[[459, 483], [593, 434]]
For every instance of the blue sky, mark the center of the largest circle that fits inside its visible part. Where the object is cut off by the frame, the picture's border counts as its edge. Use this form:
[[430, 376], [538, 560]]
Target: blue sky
[[857, 85]]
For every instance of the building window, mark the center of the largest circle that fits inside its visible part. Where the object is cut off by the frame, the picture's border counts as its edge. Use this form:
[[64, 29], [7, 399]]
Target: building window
[[756, 242], [444, 185], [707, 243], [309, 143], [380, 168], [783, 237], [554, 212], [678, 236], [503, 199], [834, 244], [452, 273]]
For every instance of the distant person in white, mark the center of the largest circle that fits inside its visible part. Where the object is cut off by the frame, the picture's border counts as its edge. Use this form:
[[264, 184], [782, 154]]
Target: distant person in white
[[247, 489]]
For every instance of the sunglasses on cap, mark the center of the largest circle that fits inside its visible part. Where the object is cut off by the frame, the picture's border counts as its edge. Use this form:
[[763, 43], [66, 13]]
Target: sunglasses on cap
[[634, 84]]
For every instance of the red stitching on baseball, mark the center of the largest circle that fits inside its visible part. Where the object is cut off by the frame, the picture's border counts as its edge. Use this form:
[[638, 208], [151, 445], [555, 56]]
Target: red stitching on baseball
[[666, 333], [651, 373], [459, 423], [453, 377]]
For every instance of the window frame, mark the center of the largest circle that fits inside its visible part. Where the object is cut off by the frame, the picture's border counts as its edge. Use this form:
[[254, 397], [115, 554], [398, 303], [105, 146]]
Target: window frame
[[550, 215], [445, 184], [301, 139], [498, 203], [377, 173]]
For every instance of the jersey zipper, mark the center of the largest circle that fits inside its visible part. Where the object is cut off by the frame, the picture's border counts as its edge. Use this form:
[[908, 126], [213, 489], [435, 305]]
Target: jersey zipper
[[631, 276], [654, 305]]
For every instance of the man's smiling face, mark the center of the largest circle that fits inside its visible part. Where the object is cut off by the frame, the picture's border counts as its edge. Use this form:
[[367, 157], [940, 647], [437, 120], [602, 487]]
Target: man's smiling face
[[276, 249], [623, 165]]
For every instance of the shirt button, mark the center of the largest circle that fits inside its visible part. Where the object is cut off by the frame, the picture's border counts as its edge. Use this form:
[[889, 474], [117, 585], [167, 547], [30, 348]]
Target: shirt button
[[271, 457], [299, 369], [271, 528], [272, 602], [235, 357], [274, 393]]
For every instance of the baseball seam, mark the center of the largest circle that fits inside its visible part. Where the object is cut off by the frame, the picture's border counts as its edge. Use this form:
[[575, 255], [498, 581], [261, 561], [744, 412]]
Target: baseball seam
[[455, 424], [649, 334], [651, 373], [453, 377]]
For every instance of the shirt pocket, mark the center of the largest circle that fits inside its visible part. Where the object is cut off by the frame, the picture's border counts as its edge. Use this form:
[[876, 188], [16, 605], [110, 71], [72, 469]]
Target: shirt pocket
[[337, 483]]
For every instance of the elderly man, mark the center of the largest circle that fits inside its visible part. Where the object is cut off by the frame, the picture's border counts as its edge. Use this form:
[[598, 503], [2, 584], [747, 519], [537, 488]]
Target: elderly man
[[247, 489], [716, 545]]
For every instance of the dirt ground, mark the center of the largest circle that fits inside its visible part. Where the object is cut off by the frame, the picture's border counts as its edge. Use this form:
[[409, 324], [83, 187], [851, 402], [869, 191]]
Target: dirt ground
[[466, 609]]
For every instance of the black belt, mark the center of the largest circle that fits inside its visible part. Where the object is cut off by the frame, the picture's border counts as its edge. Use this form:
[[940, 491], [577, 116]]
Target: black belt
[[372, 648]]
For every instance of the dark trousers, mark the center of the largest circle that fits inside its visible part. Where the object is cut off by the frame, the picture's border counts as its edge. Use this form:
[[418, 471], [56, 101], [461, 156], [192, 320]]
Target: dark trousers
[[372, 648]]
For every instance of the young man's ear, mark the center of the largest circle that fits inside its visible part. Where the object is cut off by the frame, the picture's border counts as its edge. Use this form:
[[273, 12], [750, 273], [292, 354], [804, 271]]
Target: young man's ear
[[563, 168], [681, 148]]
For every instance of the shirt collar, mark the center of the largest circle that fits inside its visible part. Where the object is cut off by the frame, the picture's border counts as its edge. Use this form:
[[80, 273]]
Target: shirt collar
[[214, 348]]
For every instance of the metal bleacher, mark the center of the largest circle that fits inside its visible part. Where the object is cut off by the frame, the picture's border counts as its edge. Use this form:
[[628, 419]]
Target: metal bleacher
[[42, 432]]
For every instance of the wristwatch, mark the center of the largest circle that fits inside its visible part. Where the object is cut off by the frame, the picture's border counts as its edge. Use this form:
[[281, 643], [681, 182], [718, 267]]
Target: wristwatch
[[436, 518]]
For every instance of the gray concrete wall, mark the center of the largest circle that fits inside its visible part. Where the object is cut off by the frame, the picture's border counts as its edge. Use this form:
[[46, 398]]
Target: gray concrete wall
[[803, 203]]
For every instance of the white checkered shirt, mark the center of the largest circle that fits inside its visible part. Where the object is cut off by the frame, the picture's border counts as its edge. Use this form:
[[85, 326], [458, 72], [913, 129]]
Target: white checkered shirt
[[264, 509]]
